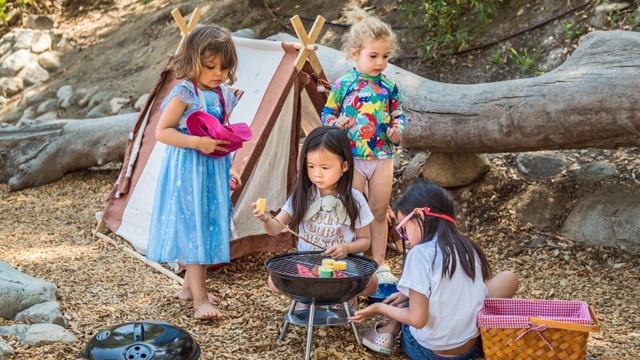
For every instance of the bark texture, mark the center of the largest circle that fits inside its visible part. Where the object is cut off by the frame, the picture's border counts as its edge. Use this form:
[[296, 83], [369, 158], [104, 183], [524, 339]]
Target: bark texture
[[39, 152], [590, 101]]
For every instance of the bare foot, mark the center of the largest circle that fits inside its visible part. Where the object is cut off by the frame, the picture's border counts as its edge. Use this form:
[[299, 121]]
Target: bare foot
[[185, 294], [204, 310]]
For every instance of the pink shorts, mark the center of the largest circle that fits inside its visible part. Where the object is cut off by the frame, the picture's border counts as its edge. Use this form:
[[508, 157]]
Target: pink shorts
[[367, 168]]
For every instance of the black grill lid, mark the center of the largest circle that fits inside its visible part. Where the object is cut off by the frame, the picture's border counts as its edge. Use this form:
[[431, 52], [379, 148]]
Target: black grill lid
[[142, 340]]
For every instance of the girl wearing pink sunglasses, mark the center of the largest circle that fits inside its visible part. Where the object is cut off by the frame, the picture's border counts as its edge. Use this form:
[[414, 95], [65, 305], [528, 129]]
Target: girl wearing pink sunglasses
[[445, 280]]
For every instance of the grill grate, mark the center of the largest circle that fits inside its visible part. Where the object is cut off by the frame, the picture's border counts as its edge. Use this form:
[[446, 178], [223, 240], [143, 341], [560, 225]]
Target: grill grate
[[288, 265]]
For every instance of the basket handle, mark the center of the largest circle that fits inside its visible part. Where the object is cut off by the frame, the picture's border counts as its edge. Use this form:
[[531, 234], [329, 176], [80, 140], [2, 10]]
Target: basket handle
[[569, 326]]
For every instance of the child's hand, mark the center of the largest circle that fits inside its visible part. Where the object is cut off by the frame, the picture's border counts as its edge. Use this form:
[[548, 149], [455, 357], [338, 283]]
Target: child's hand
[[210, 145], [264, 217], [365, 314], [337, 252], [393, 134], [343, 122], [396, 299], [234, 174]]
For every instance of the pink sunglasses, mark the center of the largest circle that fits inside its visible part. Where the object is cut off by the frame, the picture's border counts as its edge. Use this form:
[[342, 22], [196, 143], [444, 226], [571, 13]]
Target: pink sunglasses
[[427, 211]]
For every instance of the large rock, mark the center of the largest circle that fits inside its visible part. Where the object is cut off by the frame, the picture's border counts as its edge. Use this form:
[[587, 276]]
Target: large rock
[[98, 112], [6, 352], [591, 173], [14, 330], [599, 17], [41, 42], [65, 97], [23, 41], [15, 62], [414, 167], [46, 106], [4, 47], [49, 60], [244, 33], [538, 206], [540, 165], [452, 170], [33, 73], [19, 291], [607, 217], [99, 98], [44, 334], [141, 100], [10, 86], [12, 117], [44, 313]]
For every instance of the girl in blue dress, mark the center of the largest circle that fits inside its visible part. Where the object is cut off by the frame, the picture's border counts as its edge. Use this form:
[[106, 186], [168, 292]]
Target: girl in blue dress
[[190, 222]]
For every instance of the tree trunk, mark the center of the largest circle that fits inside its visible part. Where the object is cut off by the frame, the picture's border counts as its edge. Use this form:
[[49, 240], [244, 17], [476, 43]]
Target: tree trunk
[[590, 101], [39, 152]]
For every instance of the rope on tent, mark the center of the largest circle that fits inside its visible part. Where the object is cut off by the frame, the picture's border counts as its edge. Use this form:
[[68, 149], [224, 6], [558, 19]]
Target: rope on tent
[[152, 264]]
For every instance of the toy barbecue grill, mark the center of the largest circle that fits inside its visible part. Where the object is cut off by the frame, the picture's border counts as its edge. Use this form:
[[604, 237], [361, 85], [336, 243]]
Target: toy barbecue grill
[[297, 276]]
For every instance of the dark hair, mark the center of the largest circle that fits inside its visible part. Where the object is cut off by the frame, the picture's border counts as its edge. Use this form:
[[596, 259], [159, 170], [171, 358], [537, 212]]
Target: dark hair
[[334, 140], [450, 241], [203, 43]]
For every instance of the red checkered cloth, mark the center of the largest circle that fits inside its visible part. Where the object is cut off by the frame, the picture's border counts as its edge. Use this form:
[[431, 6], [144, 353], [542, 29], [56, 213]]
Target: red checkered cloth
[[515, 313]]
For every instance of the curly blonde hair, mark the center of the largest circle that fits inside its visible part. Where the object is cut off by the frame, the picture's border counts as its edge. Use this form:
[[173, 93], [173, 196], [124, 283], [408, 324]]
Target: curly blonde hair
[[205, 42], [366, 28]]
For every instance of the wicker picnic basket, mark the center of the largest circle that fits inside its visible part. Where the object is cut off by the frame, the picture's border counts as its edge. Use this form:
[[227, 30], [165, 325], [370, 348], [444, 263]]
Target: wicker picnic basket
[[536, 329]]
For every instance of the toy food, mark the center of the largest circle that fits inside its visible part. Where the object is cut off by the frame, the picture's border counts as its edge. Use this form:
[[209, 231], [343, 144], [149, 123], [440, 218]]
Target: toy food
[[262, 203], [327, 263], [326, 272], [340, 265]]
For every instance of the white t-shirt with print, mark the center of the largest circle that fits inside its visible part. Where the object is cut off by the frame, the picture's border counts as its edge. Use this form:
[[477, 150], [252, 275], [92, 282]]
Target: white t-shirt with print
[[324, 228], [453, 303]]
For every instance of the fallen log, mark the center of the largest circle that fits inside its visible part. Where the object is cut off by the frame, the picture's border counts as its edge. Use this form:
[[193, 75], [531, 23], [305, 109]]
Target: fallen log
[[590, 101], [38, 152]]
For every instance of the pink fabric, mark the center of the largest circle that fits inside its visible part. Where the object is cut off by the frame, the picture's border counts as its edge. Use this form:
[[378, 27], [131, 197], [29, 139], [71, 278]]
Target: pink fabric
[[515, 313], [367, 168]]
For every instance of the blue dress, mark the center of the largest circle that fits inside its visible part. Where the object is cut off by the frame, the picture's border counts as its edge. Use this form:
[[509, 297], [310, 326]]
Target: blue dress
[[191, 217]]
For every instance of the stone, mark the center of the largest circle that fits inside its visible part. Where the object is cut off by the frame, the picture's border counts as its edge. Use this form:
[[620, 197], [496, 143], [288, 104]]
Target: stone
[[10, 86], [3, 101], [10, 36], [33, 73], [41, 42], [553, 60], [599, 16], [610, 217], [49, 60], [65, 97], [540, 165], [452, 170], [4, 47], [637, 175], [97, 112], [415, 166], [44, 334], [19, 291], [51, 115], [6, 352], [85, 95], [44, 313], [244, 33], [12, 117], [15, 62], [99, 98], [46, 106], [115, 105], [538, 205], [23, 41], [43, 22], [141, 100], [592, 173], [14, 330], [29, 113]]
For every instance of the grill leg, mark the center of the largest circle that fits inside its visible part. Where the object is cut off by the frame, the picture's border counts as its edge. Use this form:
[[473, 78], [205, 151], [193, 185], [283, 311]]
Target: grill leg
[[312, 311], [353, 325], [286, 323]]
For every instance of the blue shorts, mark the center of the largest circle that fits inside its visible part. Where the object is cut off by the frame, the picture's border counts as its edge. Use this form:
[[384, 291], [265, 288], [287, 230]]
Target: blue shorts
[[419, 352]]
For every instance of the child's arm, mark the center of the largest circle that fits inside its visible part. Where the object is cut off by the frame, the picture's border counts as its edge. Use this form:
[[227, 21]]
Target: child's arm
[[397, 117], [166, 132], [360, 244], [269, 225], [331, 111], [415, 315]]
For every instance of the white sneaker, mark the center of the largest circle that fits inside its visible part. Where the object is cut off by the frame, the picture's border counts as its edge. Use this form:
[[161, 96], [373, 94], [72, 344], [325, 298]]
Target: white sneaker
[[385, 276]]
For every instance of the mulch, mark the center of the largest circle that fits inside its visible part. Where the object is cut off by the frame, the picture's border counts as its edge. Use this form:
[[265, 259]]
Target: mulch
[[45, 232]]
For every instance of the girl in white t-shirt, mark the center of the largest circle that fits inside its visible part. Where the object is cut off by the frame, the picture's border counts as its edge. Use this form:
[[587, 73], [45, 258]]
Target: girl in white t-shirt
[[340, 224], [442, 286]]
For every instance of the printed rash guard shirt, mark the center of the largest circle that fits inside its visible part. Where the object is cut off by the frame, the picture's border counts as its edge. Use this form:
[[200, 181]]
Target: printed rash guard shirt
[[324, 229], [373, 104]]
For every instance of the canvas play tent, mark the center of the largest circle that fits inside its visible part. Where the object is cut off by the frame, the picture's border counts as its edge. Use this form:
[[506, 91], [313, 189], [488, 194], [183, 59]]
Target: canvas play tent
[[274, 99]]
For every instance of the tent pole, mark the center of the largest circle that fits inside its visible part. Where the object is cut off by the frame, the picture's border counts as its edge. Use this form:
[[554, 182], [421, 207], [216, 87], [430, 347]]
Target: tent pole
[[153, 264]]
